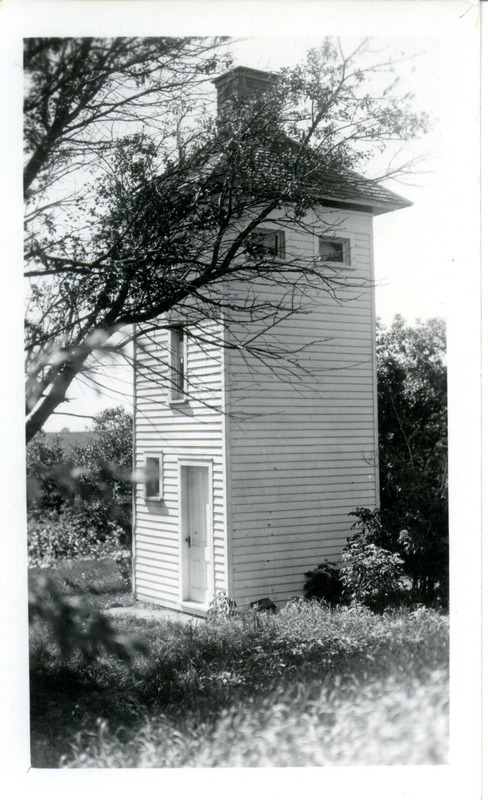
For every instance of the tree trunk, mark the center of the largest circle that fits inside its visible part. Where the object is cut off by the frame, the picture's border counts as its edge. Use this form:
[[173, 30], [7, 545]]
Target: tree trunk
[[57, 395]]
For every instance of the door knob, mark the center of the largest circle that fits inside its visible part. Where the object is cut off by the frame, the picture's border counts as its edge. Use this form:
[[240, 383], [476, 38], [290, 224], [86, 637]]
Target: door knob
[[188, 541]]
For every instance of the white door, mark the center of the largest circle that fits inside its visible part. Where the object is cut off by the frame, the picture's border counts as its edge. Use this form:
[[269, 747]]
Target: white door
[[197, 560]]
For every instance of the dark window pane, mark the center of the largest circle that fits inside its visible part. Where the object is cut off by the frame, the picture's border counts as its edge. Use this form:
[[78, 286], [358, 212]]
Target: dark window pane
[[153, 488], [330, 250], [267, 242], [178, 362]]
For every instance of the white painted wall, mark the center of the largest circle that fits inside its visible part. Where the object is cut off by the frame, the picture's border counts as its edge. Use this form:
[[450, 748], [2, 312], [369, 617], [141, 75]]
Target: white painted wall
[[191, 431], [306, 456], [294, 453]]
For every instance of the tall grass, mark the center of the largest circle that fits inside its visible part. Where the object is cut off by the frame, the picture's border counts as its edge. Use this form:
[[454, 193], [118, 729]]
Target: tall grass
[[307, 686]]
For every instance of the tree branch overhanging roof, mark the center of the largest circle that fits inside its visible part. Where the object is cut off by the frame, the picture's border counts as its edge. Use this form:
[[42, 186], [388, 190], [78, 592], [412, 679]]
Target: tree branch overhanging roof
[[343, 189]]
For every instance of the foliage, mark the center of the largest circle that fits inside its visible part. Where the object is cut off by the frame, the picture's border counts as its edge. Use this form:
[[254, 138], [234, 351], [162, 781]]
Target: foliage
[[123, 560], [370, 574], [79, 88], [369, 527], [94, 579], [105, 464], [324, 583], [93, 501], [86, 101], [412, 414], [221, 606], [157, 218], [42, 459], [80, 503], [230, 692], [76, 627], [65, 535]]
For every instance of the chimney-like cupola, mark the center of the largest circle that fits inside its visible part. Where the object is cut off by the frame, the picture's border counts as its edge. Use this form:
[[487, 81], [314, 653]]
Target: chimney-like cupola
[[242, 82]]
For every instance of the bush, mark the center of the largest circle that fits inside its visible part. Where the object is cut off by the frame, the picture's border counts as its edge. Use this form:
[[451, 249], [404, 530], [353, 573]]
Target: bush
[[57, 536], [370, 574], [412, 423], [90, 490], [324, 583], [424, 557], [105, 464], [123, 559], [221, 607], [42, 461]]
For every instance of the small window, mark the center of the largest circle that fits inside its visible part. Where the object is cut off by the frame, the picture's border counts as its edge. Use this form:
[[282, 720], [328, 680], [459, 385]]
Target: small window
[[267, 242], [178, 363], [153, 477], [335, 251]]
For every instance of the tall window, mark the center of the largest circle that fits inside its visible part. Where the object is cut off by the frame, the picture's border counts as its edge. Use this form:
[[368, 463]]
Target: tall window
[[335, 251], [178, 363], [153, 477]]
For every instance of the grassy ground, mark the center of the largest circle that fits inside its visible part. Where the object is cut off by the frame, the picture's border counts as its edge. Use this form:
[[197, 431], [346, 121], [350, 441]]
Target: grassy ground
[[307, 686]]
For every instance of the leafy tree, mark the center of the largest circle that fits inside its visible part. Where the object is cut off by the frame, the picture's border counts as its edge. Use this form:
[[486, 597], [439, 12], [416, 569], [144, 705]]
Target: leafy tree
[[164, 212], [412, 413], [80, 506], [86, 493], [42, 459], [79, 91], [105, 462]]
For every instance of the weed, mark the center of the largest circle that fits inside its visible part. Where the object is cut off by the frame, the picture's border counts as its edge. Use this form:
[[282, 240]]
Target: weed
[[309, 685]]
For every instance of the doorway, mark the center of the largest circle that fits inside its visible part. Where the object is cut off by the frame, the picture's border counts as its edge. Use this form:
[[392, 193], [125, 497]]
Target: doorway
[[196, 528]]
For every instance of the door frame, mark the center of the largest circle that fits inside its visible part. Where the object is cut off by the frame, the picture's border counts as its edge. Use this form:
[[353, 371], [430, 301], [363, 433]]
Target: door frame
[[190, 605]]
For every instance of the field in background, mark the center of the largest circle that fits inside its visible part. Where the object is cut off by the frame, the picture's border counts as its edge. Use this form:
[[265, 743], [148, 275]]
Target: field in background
[[309, 686]]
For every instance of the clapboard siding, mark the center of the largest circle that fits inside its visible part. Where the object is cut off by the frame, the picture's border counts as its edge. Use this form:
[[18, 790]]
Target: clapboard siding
[[193, 430], [303, 450], [296, 451]]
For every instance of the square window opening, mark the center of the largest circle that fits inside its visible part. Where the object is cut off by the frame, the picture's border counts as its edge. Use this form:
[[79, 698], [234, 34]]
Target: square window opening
[[335, 251], [267, 242]]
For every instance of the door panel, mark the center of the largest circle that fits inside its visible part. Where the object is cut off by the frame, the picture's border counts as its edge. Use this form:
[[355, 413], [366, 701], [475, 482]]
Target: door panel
[[195, 524]]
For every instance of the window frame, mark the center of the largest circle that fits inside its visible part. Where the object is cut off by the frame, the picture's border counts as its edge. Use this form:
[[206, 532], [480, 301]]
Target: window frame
[[177, 394], [346, 251], [281, 241], [159, 458]]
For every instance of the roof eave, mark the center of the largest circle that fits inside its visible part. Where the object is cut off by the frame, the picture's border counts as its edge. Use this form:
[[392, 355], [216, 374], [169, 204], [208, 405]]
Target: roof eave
[[376, 207]]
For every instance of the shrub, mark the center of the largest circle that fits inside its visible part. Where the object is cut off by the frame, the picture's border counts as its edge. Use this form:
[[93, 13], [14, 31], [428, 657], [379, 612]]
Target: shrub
[[324, 583], [370, 527], [57, 536], [91, 490], [424, 556], [370, 574], [221, 607], [123, 559], [412, 423], [42, 459], [105, 464]]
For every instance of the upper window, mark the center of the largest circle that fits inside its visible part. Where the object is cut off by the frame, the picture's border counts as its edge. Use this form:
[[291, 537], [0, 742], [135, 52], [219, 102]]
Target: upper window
[[267, 242], [335, 251], [178, 362]]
